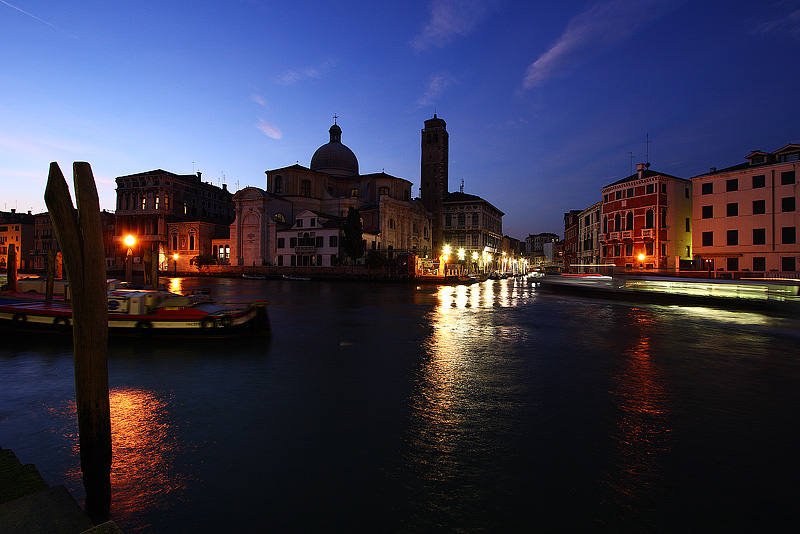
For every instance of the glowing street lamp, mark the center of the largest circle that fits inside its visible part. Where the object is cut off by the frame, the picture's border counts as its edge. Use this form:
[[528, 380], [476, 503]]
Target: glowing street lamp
[[175, 257], [461, 254], [129, 241], [641, 257]]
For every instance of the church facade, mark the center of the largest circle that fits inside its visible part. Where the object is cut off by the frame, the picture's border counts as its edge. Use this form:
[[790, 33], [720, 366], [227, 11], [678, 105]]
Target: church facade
[[393, 221]]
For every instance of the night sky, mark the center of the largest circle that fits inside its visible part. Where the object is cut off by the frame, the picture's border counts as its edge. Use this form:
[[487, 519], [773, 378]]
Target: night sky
[[545, 101]]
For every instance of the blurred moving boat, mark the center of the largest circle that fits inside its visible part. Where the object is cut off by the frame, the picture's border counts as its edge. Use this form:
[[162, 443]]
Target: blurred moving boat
[[151, 313]]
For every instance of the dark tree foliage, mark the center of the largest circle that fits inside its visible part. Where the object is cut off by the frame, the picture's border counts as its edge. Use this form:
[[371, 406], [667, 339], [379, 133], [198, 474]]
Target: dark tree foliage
[[375, 259], [352, 241]]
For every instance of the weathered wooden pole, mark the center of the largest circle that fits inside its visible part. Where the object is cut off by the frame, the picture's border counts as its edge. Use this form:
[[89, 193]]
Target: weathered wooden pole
[[79, 233], [51, 273], [11, 268]]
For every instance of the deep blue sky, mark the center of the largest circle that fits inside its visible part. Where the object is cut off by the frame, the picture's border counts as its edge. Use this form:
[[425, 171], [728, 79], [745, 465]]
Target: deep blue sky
[[544, 100]]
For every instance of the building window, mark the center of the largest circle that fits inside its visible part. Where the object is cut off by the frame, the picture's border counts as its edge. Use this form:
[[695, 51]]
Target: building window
[[333, 241], [616, 250], [191, 241], [144, 202], [299, 223], [708, 239], [629, 221], [629, 249], [759, 236], [474, 219], [650, 189], [292, 242], [462, 219], [688, 225], [605, 225], [391, 224], [732, 264], [787, 178], [305, 188], [279, 184], [281, 242], [383, 190], [732, 185], [630, 192], [759, 263], [733, 237], [313, 222], [787, 204], [707, 188], [175, 241], [788, 264], [759, 181], [708, 212], [733, 209], [759, 207], [448, 220], [319, 241], [354, 192], [617, 223], [279, 217], [474, 240], [648, 248], [789, 235], [156, 203]]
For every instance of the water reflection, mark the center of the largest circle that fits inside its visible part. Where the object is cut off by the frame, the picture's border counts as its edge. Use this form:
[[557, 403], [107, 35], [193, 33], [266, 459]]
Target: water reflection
[[641, 432], [144, 475]]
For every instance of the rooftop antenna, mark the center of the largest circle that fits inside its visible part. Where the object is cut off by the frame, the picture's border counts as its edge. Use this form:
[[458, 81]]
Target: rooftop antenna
[[630, 156], [335, 116], [647, 156], [462, 186], [237, 185]]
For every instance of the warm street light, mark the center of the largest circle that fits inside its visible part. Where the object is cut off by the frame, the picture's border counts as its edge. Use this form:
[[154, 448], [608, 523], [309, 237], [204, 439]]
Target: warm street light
[[175, 257], [461, 254], [641, 257], [130, 240]]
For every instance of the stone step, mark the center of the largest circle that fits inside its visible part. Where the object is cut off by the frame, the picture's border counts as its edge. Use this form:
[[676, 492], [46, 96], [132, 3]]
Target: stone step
[[51, 510], [17, 480]]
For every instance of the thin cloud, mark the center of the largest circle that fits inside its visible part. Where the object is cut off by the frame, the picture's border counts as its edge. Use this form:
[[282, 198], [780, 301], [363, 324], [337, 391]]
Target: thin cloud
[[784, 24], [36, 18], [258, 99], [434, 88], [450, 19], [602, 25], [295, 76], [269, 129]]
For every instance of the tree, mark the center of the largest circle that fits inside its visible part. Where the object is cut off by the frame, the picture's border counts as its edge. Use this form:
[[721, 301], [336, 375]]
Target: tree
[[375, 259], [202, 261], [352, 241]]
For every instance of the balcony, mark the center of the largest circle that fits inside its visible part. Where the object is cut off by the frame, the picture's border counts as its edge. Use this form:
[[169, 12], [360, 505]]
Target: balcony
[[627, 234], [602, 237], [613, 236], [304, 250], [649, 232]]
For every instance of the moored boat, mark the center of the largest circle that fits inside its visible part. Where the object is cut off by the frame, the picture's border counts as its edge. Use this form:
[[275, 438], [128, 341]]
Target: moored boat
[[145, 313]]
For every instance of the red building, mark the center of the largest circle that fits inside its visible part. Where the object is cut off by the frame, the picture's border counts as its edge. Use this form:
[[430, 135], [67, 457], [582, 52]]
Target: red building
[[647, 221]]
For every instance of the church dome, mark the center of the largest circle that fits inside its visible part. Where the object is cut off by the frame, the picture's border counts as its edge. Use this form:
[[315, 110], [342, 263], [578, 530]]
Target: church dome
[[335, 158]]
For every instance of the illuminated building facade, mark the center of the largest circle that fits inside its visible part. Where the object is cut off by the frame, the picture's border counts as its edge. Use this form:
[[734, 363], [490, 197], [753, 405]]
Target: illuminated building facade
[[588, 231], [473, 224], [646, 221], [331, 185], [746, 217], [17, 229], [148, 202]]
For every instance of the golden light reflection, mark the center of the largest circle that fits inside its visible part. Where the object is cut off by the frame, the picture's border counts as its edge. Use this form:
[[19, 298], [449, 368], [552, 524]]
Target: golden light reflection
[[144, 451], [176, 285]]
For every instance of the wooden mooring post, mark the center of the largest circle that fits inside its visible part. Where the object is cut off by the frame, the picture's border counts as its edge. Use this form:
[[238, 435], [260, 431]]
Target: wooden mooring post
[[79, 233], [11, 268]]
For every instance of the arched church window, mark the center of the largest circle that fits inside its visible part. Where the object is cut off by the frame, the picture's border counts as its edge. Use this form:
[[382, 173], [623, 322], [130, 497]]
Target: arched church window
[[383, 190], [279, 184], [191, 241], [354, 192], [305, 188], [174, 240], [278, 217]]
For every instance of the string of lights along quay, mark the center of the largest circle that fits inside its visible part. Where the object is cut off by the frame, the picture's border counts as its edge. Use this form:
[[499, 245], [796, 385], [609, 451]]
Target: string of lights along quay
[[495, 406]]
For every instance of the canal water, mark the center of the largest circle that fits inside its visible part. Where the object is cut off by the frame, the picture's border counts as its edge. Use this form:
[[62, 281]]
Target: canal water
[[493, 407]]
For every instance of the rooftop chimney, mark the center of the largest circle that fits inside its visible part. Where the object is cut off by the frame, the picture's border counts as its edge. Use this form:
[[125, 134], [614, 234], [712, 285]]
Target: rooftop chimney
[[640, 169], [199, 174], [713, 169]]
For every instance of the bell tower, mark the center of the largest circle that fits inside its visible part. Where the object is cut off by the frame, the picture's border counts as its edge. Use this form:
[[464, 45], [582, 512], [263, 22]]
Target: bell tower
[[433, 174]]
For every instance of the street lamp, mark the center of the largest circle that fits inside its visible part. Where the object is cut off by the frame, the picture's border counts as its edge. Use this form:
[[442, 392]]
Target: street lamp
[[129, 241], [175, 257]]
